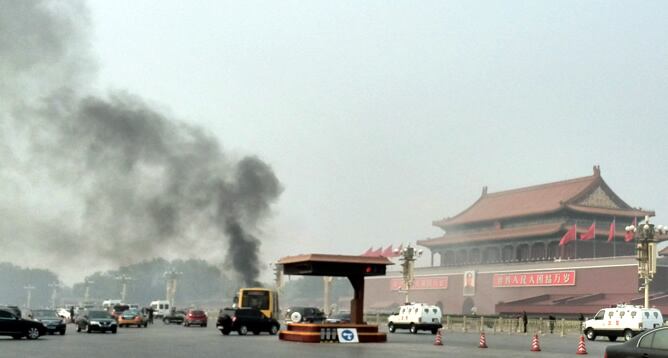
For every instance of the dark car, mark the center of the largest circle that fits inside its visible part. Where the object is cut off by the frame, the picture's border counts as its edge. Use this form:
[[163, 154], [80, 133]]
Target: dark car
[[305, 314], [339, 318], [651, 343], [195, 317], [50, 320], [96, 320], [13, 309], [17, 327], [244, 320], [174, 317]]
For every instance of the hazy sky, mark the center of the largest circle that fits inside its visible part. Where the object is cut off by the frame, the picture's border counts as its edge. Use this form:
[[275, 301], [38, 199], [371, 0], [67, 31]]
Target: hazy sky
[[379, 117]]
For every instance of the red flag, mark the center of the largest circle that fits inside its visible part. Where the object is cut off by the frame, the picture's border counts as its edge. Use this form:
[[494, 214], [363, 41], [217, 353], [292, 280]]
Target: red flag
[[569, 236], [388, 251], [368, 252], [611, 235], [590, 234], [377, 252], [629, 234], [397, 252]]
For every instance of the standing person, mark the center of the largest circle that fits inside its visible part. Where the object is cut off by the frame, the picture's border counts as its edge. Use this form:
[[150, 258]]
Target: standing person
[[71, 314], [581, 319], [150, 315], [524, 320], [552, 322]]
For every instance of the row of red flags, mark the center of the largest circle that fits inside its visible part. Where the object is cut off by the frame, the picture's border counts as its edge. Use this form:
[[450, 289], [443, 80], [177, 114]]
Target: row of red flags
[[388, 252], [571, 234]]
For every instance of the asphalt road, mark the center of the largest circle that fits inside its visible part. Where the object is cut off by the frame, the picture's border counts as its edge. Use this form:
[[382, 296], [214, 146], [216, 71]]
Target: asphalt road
[[164, 341]]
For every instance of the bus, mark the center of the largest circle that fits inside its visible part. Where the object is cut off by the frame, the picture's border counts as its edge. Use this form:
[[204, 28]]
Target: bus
[[264, 299]]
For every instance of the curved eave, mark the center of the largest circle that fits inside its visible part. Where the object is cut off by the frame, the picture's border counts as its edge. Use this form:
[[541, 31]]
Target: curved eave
[[493, 235], [611, 212]]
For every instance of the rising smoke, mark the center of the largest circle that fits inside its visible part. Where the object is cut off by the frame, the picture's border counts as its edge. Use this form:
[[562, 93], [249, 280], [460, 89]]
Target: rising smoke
[[89, 179]]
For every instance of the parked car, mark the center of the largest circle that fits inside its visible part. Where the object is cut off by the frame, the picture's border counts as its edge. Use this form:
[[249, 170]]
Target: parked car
[[651, 343], [342, 317], [174, 317], [132, 318], [195, 317], [17, 327], [305, 314], [96, 320], [51, 320], [622, 321], [244, 320], [416, 317]]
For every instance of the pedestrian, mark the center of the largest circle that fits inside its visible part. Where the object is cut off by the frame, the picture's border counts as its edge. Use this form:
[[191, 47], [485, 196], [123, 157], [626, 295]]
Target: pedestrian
[[71, 314], [150, 315], [581, 319], [524, 320], [552, 322]]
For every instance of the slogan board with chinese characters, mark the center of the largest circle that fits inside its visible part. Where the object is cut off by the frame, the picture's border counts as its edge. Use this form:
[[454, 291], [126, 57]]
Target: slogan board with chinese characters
[[531, 279], [422, 283]]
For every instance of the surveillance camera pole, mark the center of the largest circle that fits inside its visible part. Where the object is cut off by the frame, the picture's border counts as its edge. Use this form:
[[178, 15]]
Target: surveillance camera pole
[[87, 284], [408, 255], [646, 251], [54, 292]]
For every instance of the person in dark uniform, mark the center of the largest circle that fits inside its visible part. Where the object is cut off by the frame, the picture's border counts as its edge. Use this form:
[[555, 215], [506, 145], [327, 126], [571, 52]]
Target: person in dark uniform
[[150, 315], [524, 320], [71, 314], [552, 322]]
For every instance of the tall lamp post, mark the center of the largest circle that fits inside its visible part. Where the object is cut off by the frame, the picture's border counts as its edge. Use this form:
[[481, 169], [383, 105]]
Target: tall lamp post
[[124, 288], [171, 276], [54, 292], [29, 288], [646, 251], [87, 284], [408, 255]]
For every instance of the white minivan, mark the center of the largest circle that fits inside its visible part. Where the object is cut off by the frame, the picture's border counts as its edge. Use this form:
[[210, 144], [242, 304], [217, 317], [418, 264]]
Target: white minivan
[[622, 321], [160, 308], [416, 317]]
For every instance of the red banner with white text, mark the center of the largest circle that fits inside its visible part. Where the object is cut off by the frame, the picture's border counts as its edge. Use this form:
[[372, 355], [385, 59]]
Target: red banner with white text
[[534, 279], [422, 283]]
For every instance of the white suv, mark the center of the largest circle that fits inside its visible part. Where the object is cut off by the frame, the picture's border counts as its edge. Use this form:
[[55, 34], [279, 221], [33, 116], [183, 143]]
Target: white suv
[[622, 321], [416, 317]]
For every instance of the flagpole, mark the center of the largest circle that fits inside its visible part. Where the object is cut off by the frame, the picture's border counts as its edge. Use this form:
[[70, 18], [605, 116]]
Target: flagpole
[[614, 242], [594, 239]]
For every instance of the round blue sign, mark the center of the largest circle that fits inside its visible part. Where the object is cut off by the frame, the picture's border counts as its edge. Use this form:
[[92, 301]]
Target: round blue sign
[[347, 335]]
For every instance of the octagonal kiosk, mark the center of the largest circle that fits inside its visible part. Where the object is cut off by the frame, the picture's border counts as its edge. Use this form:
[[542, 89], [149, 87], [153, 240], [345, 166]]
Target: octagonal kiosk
[[355, 268]]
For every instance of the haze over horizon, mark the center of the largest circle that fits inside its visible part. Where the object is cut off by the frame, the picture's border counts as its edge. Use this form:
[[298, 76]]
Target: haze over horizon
[[376, 118]]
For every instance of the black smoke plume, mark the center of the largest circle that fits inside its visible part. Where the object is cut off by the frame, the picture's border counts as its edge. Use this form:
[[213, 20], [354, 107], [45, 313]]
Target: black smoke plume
[[106, 179]]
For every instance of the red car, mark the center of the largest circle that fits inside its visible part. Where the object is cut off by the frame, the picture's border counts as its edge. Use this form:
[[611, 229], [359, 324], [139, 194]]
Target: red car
[[195, 317]]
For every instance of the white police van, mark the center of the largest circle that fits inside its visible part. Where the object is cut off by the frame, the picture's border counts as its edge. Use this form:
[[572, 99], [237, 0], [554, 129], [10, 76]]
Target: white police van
[[416, 317], [622, 321]]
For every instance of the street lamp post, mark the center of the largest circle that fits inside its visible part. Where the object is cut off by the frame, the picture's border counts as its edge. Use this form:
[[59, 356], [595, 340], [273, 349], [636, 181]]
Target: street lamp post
[[408, 255], [54, 292], [124, 288], [29, 288], [171, 276], [646, 251], [87, 284]]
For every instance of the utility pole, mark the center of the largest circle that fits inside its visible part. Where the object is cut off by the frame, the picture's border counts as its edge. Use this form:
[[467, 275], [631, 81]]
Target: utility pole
[[646, 251], [408, 255], [171, 276], [124, 285], [29, 288], [54, 292], [87, 284]]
